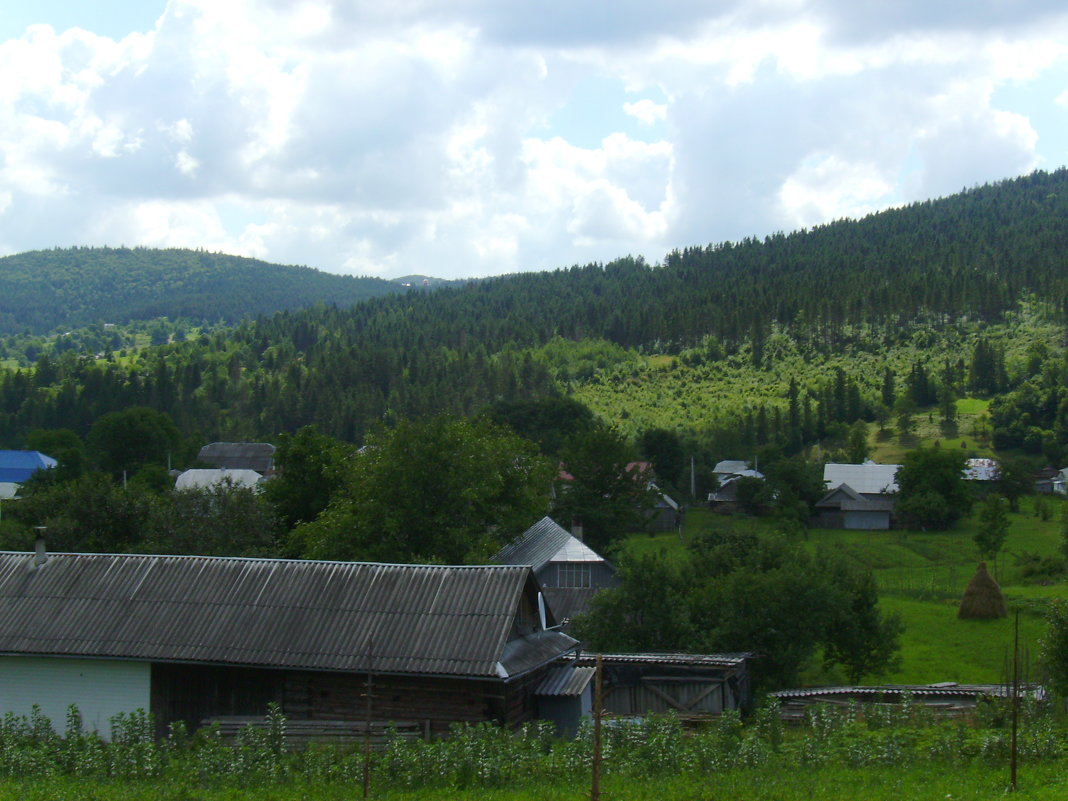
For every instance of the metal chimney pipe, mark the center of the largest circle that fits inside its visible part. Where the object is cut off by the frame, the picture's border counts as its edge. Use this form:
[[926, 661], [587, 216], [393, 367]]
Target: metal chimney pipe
[[40, 551]]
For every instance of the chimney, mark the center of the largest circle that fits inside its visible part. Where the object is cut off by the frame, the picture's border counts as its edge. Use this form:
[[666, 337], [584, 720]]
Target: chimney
[[576, 528], [40, 552]]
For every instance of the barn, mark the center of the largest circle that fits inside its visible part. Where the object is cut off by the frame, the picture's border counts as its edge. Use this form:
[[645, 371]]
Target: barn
[[196, 638]]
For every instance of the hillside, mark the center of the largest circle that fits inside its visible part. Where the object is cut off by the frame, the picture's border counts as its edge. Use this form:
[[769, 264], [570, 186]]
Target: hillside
[[74, 287], [962, 296]]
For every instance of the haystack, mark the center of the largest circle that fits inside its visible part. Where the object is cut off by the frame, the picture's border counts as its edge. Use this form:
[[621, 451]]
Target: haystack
[[982, 598]]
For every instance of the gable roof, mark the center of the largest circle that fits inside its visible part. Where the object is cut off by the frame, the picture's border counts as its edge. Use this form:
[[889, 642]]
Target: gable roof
[[867, 478], [847, 499], [544, 542], [424, 619], [258, 456], [730, 467], [18, 466]]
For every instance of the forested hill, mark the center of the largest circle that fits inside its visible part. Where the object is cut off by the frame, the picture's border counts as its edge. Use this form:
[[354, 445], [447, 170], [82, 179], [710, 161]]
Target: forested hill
[[931, 278], [972, 255], [45, 289]]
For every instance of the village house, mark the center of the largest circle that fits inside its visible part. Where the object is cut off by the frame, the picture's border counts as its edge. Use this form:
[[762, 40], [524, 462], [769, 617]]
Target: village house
[[196, 639], [860, 496], [568, 571]]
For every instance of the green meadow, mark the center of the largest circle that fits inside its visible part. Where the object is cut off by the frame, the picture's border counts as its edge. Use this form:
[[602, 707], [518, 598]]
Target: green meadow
[[921, 578]]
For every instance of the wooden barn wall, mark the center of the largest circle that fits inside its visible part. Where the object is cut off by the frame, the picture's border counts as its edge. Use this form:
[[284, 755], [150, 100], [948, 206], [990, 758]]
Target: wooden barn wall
[[192, 693], [435, 702]]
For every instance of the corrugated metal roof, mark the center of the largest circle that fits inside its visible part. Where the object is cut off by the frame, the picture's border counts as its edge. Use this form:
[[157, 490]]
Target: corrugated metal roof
[[270, 612], [258, 456], [566, 680], [683, 660], [944, 690], [545, 542], [205, 477], [867, 478], [17, 466], [730, 467]]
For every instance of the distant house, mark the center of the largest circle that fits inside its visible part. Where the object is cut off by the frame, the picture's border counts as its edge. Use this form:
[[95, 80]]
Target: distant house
[[666, 514], [983, 470], [860, 496], [196, 638], [206, 478], [725, 499], [1048, 481], [258, 456], [844, 507], [16, 467], [729, 468], [568, 571]]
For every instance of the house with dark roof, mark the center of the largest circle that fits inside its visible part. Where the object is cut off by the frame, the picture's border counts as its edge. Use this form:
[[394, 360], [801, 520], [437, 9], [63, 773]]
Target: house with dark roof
[[16, 467], [844, 507], [258, 456], [568, 571], [860, 496], [196, 638]]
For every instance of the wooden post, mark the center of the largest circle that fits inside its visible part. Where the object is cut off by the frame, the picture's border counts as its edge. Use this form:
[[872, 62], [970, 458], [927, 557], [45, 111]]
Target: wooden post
[[598, 713], [367, 721], [1015, 699]]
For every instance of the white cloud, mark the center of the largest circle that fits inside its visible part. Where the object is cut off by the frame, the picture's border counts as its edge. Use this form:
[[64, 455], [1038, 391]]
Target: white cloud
[[646, 111], [418, 137]]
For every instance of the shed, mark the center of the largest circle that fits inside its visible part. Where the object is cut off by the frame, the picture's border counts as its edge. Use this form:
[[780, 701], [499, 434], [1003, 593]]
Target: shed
[[565, 697], [693, 686], [195, 637]]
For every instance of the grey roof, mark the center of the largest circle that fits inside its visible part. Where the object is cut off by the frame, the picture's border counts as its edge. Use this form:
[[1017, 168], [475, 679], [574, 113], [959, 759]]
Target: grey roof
[[422, 619], [847, 499], [566, 680], [730, 467], [258, 456], [566, 602], [681, 660], [205, 477], [545, 542], [947, 689], [867, 478]]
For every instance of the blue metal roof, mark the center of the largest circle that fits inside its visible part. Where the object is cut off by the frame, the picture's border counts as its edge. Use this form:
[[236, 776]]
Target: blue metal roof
[[18, 466]]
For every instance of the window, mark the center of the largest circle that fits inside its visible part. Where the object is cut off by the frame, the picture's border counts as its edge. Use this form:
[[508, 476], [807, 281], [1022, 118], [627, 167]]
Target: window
[[572, 575]]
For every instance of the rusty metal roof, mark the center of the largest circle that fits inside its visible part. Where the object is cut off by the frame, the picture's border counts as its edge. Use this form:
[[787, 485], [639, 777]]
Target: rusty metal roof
[[426, 619]]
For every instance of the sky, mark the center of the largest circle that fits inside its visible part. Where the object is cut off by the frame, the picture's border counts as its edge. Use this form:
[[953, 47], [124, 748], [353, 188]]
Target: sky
[[478, 137]]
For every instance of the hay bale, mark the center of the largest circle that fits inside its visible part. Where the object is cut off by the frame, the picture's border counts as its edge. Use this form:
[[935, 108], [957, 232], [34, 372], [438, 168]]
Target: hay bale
[[982, 598]]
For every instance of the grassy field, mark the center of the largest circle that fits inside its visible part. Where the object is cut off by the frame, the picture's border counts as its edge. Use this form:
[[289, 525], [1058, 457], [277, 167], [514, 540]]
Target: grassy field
[[921, 577], [925, 782]]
